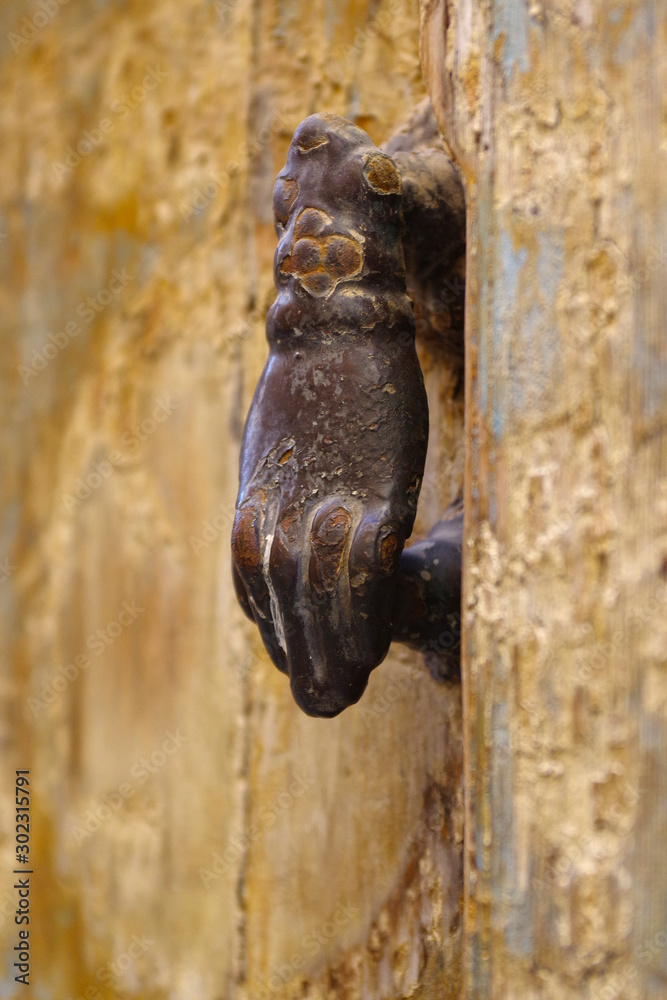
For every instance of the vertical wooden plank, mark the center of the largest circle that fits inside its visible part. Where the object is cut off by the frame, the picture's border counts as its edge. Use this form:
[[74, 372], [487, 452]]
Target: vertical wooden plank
[[182, 807], [353, 875], [556, 114]]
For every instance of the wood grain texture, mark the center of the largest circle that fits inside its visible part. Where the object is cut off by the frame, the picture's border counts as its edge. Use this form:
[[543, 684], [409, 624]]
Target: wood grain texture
[[256, 835], [556, 114]]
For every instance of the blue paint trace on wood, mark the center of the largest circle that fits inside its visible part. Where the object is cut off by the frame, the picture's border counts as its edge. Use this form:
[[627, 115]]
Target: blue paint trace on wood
[[506, 286], [526, 350], [511, 22]]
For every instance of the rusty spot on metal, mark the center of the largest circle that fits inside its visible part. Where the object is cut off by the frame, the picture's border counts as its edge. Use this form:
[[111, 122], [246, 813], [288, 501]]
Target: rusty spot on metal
[[320, 262], [289, 524], [285, 457], [245, 539], [310, 222], [388, 549], [343, 257], [382, 175], [329, 539], [306, 256], [318, 284]]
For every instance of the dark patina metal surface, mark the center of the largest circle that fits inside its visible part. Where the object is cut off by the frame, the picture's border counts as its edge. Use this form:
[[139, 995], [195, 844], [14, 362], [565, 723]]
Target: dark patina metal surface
[[335, 441], [427, 610]]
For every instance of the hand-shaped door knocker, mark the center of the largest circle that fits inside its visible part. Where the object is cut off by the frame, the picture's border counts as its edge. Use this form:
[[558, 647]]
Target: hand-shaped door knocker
[[335, 441]]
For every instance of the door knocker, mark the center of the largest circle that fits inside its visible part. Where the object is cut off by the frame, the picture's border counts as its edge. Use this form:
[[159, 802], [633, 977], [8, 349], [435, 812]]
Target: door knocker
[[335, 441]]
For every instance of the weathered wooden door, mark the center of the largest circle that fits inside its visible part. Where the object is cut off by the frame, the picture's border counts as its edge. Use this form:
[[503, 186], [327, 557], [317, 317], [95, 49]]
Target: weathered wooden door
[[193, 834], [556, 115]]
